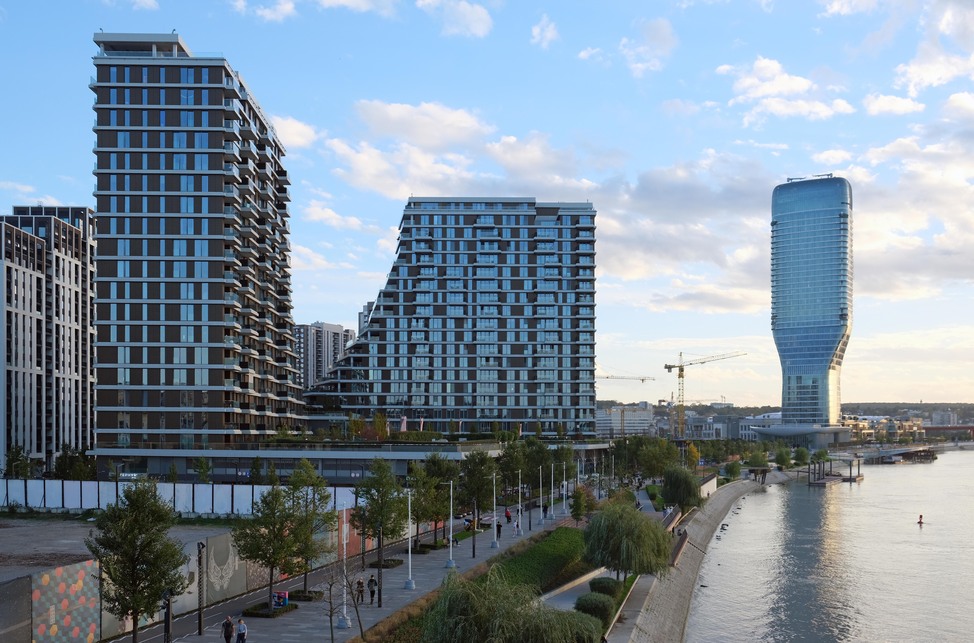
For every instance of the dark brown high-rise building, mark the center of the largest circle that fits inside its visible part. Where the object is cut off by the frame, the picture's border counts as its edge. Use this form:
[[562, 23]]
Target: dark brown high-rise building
[[195, 352]]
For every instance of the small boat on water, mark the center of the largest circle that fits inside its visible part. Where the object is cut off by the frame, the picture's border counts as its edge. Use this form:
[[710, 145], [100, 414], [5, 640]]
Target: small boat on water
[[891, 459]]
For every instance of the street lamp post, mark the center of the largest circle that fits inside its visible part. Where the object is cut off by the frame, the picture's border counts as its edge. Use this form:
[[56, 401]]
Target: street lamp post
[[541, 495], [493, 524], [343, 622], [517, 525], [564, 485], [473, 527], [451, 563], [200, 586], [410, 583], [551, 493]]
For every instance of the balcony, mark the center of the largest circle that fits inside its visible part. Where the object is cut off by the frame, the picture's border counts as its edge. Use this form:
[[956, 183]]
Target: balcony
[[231, 130], [230, 109]]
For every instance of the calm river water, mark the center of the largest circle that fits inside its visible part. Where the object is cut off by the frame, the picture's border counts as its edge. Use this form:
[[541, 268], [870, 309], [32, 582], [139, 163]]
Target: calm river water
[[847, 562]]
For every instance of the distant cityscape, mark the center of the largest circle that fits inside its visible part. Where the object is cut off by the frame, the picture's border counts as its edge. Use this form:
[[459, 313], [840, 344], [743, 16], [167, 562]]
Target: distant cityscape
[[157, 328]]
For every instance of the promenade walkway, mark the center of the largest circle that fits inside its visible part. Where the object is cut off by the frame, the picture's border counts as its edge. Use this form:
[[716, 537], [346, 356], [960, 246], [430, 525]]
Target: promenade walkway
[[310, 621]]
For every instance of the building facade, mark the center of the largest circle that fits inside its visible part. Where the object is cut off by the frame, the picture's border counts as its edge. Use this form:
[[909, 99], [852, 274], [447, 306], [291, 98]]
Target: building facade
[[319, 347], [48, 375], [811, 295], [195, 340], [486, 322], [622, 421]]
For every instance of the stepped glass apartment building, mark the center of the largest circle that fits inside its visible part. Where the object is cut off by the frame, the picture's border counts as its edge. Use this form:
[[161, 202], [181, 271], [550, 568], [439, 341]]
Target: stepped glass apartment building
[[486, 321], [47, 375], [811, 297], [195, 331]]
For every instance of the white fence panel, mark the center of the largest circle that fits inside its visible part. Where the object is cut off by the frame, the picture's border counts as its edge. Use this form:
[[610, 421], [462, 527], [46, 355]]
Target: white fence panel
[[222, 499], [72, 494], [16, 492], [242, 496], [89, 494], [184, 497], [35, 493], [166, 491], [54, 493], [203, 500]]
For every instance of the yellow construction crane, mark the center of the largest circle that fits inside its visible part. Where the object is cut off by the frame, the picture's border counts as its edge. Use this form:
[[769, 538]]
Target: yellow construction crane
[[680, 419], [642, 379]]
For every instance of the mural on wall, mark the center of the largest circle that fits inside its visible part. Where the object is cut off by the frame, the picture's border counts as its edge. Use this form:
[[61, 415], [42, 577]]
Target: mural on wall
[[65, 604], [226, 573]]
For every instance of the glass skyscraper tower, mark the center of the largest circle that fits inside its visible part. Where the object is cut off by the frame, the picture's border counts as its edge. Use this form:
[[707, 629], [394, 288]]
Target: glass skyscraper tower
[[486, 321], [811, 294]]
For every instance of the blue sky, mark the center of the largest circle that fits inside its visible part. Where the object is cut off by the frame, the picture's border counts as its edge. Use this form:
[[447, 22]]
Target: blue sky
[[676, 118]]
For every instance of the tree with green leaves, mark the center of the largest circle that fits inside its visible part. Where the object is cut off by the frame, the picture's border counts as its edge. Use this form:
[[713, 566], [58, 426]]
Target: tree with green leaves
[[655, 456], [256, 471], [693, 456], [538, 458], [733, 469], [73, 464], [309, 495], [270, 537], [136, 555], [380, 426], [681, 487], [443, 471], [801, 456], [203, 469], [427, 501], [623, 539], [579, 504], [173, 475], [493, 608], [18, 464], [476, 481], [758, 458], [782, 457], [822, 455], [381, 512], [513, 458]]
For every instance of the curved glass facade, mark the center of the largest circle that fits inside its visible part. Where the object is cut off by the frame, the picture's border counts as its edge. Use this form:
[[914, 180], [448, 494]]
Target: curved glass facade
[[811, 294]]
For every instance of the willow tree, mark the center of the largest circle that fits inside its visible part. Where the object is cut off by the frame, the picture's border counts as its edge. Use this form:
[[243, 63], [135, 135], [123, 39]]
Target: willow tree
[[623, 539], [136, 555], [492, 608]]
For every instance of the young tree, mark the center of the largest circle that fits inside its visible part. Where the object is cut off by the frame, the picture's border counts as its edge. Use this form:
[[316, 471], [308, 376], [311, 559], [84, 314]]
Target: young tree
[[681, 487], [427, 503], [135, 553], [309, 495], [270, 537], [733, 469], [382, 508], [693, 456], [443, 471], [18, 464], [73, 464], [782, 457], [625, 540], [256, 471], [656, 456], [513, 458], [173, 475], [203, 469], [801, 456], [579, 504], [476, 484], [758, 458]]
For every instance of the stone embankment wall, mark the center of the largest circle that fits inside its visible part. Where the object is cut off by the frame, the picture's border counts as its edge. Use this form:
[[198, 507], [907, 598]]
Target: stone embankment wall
[[664, 616]]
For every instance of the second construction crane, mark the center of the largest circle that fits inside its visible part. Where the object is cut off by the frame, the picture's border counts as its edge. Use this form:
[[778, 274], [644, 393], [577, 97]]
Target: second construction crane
[[680, 412]]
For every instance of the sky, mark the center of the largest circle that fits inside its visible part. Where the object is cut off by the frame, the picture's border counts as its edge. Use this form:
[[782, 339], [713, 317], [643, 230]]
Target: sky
[[675, 118]]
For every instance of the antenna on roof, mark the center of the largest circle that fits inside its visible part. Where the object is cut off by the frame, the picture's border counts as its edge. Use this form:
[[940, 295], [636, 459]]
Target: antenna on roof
[[822, 176], [795, 178]]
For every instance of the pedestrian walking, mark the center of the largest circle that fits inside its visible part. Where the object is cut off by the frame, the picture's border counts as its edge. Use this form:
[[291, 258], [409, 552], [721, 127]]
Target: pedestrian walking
[[544, 509], [359, 591], [241, 631], [373, 584], [507, 514], [226, 628], [498, 528]]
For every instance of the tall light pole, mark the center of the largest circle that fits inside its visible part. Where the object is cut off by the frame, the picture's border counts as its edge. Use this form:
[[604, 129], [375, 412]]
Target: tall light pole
[[451, 563], [517, 525], [343, 622], [410, 583], [200, 586], [551, 492], [541, 495], [564, 484], [493, 524]]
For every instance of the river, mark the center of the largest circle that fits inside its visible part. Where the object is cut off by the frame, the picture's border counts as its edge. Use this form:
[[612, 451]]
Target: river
[[847, 562]]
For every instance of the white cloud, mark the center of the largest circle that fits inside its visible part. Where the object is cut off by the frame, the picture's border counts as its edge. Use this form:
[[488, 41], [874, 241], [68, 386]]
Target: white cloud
[[385, 8], [240, 6], [429, 125], [648, 52], [544, 33], [883, 104], [814, 110], [278, 12], [960, 106], [831, 157], [294, 133], [765, 78], [150, 5], [680, 107], [848, 7], [590, 53], [318, 211], [16, 187], [774, 147], [931, 67], [304, 258], [533, 159], [459, 17]]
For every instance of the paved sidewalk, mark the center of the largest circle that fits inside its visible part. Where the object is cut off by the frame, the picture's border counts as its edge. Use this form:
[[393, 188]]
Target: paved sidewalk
[[310, 621]]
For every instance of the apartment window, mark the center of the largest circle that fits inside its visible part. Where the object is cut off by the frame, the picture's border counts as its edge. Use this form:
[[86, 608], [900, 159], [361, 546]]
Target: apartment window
[[179, 139], [186, 75], [187, 97], [179, 161], [124, 139], [187, 118]]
